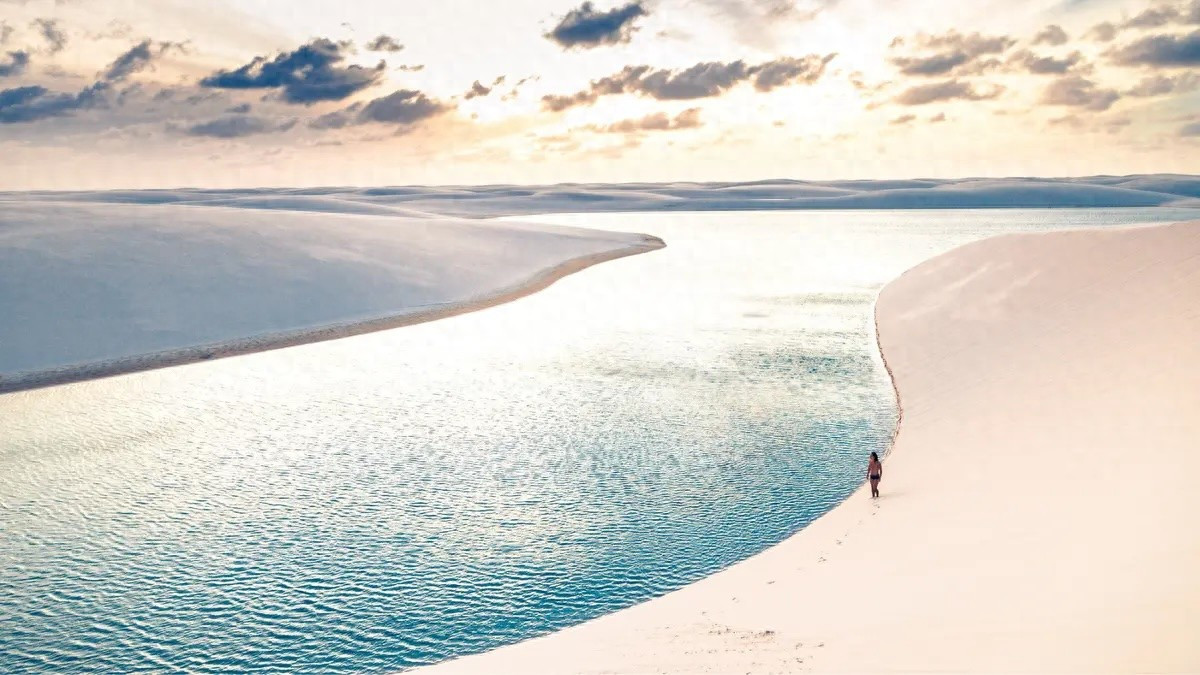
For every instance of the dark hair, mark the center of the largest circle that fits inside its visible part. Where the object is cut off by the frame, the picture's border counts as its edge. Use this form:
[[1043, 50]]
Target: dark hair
[[875, 457]]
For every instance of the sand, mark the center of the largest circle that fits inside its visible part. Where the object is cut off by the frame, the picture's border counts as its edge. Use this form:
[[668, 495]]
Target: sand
[[279, 340], [1039, 504]]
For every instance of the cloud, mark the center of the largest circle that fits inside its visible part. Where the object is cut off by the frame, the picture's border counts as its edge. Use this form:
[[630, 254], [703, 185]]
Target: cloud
[[903, 119], [1052, 35], [946, 91], [384, 43], [50, 32], [1163, 51], [688, 119], [1161, 85], [6, 32], [585, 27], [337, 119], [136, 59], [16, 63], [702, 80], [405, 107], [1077, 92], [940, 117], [787, 70], [1045, 65], [477, 89], [241, 109], [1190, 130], [1102, 32], [33, 103], [558, 103], [948, 52], [309, 74], [237, 127], [755, 21], [1155, 17]]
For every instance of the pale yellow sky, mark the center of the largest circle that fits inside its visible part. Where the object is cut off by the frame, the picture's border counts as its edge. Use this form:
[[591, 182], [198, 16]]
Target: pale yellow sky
[[917, 88]]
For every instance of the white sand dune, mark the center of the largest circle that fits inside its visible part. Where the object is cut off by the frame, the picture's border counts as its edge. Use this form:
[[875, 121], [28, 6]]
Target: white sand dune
[[1039, 505], [494, 200], [90, 290]]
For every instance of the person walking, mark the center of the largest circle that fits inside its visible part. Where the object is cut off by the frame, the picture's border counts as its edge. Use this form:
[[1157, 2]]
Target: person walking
[[874, 473]]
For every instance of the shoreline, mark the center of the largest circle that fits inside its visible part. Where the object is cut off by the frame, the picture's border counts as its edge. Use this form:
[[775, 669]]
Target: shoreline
[[1016, 352], [29, 380]]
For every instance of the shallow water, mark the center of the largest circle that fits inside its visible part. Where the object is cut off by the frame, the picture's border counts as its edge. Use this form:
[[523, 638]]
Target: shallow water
[[395, 499]]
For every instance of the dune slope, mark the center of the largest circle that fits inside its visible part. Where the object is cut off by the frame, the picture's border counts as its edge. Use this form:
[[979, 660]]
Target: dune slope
[[98, 289], [1038, 506]]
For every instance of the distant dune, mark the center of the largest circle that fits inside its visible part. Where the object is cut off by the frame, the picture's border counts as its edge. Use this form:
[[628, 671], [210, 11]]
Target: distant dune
[[494, 200]]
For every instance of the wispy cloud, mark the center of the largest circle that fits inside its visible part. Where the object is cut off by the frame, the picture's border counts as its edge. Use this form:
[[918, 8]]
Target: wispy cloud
[[702, 80], [1078, 92], [948, 90], [238, 126]]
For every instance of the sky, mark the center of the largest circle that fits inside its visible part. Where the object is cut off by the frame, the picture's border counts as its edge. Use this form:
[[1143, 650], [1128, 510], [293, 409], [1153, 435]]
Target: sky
[[248, 93]]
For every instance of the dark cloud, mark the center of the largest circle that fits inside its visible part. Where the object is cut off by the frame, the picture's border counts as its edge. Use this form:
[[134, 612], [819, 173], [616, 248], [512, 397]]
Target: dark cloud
[[1162, 51], [1078, 92], [903, 119], [240, 109], [15, 64], [1190, 130], [309, 74], [1052, 35], [1045, 65], [702, 80], [238, 126], [940, 117], [51, 33], [384, 43], [949, 52], [586, 27], [947, 91], [33, 103], [1161, 85], [6, 32], [405, 107], [688, 119]]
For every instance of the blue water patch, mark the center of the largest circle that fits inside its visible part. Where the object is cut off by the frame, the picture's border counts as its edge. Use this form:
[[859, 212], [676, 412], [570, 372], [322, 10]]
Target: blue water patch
[[399, 498]]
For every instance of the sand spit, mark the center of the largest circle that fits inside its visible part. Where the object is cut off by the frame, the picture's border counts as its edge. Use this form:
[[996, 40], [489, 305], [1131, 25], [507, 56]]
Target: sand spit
[[1038, 508], [178, 357]]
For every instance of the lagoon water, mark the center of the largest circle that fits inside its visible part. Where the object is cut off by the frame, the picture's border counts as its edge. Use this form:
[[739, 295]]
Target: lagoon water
[[399, 498]]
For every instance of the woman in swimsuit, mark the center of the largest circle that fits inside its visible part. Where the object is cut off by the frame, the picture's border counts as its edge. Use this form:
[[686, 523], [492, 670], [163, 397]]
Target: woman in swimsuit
[[874, 473]]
